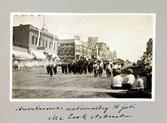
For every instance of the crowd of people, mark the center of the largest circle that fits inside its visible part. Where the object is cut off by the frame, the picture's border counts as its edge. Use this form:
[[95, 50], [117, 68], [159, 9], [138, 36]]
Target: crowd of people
[[98, 67], [133, 81], [130, 81], [83, 66]]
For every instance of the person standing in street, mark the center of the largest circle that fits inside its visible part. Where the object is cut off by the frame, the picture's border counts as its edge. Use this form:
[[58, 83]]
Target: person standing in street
[[50, 65], [55, 65], [108, 69], [100, 68], [95, 68], [115, 67], [46, 64]]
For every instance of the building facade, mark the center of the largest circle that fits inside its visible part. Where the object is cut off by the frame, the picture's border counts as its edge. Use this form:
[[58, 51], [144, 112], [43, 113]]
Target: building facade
[[34, 41], [72, 49], [66, 49], [103, 51]]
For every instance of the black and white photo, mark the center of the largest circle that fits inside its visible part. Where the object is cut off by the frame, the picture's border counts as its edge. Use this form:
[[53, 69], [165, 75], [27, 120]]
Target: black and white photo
[[82, 56]]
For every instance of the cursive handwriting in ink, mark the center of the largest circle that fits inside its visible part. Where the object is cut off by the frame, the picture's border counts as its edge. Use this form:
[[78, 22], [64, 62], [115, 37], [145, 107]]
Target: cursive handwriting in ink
[[98, 116], [117, 106], [38, 108], [72, 116], [55, 117], [82, 108]]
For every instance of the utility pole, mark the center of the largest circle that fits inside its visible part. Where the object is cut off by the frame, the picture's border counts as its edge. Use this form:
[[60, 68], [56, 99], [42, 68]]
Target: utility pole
[[43, 30]]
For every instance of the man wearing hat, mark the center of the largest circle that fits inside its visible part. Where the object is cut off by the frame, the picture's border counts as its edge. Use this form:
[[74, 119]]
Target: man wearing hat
[[128, 80], [117, 80]]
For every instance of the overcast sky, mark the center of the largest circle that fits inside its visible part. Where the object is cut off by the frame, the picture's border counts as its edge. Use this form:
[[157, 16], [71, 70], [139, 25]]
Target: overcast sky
[[125, 33]]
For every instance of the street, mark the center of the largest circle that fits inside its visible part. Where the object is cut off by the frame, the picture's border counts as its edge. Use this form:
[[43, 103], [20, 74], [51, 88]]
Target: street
[[34, 83]]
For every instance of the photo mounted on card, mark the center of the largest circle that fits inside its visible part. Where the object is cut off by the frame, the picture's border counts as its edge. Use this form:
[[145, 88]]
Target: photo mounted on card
[[82, 56]]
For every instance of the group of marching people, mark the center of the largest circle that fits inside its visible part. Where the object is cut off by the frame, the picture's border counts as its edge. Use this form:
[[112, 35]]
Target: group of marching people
[[96, 66], [82, 65]]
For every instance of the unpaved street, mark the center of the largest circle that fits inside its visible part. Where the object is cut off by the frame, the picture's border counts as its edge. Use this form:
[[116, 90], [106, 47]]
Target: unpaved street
[[34, 83]]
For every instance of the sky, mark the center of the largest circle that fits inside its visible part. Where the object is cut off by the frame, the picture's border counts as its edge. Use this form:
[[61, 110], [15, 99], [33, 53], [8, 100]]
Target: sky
[[125, 33]]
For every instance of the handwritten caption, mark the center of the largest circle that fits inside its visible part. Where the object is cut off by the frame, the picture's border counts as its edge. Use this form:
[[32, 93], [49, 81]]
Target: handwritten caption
[[84, 112]]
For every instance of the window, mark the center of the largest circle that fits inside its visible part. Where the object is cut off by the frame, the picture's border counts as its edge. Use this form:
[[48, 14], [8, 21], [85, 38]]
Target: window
[[43, 43], [77, 48], [33, 39], [69, 49], [65, 50], [46, 44], [36, 40], [49, 45], [59, 51], [54, 46], [40, 42], [72, 49]]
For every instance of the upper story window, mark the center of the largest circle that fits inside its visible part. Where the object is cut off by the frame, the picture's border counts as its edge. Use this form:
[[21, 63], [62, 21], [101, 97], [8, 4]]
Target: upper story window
[[69, 49], [54, 46], [77, 48], [49, 45], [46, 45], [65, 50], [36, 42], [62, 49], [40, 42], [36, 39], [33, 39], [59, 51]]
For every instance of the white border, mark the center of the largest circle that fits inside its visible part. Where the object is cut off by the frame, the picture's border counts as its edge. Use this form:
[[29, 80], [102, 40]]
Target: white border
[[85, 99]]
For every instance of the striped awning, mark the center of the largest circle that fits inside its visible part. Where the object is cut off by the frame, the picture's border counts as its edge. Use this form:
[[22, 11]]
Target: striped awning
[[21, 55], [38, 54]]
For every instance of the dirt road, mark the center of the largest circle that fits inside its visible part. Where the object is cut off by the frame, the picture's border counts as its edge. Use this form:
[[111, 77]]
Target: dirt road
[[34, 83]]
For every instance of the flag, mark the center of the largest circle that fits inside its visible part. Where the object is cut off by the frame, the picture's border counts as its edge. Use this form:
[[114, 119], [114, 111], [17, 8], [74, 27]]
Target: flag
[[92, 42]]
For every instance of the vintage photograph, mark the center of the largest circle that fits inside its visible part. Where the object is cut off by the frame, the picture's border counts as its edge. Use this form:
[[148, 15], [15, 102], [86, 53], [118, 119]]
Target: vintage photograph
[[58, 56]]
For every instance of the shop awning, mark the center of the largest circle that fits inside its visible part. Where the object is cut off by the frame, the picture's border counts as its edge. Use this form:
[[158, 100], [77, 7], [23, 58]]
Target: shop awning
[[38, 54], [21, 55]]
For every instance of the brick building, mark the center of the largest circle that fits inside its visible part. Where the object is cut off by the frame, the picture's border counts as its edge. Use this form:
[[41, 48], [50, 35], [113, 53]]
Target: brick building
[[70, 49], [33, 41]]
